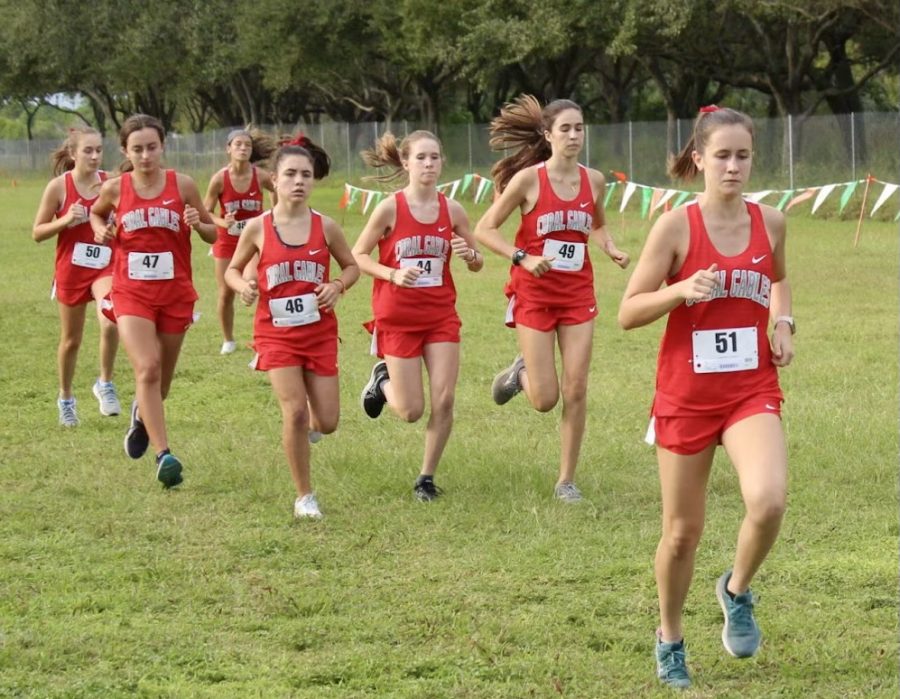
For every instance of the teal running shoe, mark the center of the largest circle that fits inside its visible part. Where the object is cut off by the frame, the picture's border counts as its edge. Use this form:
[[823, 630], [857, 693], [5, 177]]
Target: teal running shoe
[[741, 634], [670, 663]]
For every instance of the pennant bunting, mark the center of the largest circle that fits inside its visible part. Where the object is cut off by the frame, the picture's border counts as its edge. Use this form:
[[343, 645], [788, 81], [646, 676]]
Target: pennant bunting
[[682, 197], [630, 189], [646, 196], [847, 193], [610, 188], [759, 196], [886, 193], [808, 194], [784, 199], [822, 196]]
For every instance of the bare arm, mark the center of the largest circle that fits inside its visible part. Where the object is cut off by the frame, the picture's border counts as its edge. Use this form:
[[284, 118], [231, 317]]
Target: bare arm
[[195, 214], [46, 225], [106, 203], [462, 241], [646, 299], [780, 301], [248, 247], [599, 234], [213, 191], [379, 223], [329, 294]]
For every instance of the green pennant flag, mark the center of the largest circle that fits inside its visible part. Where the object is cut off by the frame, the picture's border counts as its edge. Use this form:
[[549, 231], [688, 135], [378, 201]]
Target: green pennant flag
[[609, 192], [646, 196], [681, 199], [354, 195], [847, 193], [785, 199], [466, 183], [897, 217]]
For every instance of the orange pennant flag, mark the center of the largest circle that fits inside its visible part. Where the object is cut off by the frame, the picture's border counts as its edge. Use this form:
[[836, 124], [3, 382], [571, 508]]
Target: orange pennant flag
[[808, 194]]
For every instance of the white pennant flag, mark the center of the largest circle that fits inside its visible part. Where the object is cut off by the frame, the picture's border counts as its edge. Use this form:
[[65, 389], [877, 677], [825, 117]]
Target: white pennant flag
[[453, 187], [370, 197], [665, 197], [757, 197], [482, 186], [889, 189], [822, 196], [630, 189]]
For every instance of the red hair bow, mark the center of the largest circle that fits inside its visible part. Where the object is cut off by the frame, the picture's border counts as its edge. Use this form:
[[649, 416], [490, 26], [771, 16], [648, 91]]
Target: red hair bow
[[709, 109], [299, 140]]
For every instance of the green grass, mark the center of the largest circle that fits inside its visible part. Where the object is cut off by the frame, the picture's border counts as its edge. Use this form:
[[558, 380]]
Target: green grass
[[111, 587]]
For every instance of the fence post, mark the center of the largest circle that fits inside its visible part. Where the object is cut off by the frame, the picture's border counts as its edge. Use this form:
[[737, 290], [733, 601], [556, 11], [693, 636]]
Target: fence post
[[469, 134], [587, 145], [852, 146], [347, 127], [630, 153], [791, 150]]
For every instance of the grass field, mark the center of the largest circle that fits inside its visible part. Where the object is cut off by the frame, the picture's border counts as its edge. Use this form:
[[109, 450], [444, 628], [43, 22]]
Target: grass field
[[112, 587]]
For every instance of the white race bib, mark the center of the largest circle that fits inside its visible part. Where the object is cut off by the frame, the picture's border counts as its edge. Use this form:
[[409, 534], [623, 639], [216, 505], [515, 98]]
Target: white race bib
[[728, 349], [90, 255], [151, 266], [236, 227], [290, 311], [432, 270], [568, 257]]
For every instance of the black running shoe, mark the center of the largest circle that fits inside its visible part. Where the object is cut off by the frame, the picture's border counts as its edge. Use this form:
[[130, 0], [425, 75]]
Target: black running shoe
[[168, 470], [372, 398], [426, 490], [136, 439]]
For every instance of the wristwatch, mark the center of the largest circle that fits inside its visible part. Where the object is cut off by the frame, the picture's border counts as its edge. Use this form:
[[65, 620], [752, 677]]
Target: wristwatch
[[787, 319], [518, 256]]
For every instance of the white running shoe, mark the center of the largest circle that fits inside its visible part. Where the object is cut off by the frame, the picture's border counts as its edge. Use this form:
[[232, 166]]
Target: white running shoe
[[315, 436], [506, 384], [105, 392], [228, 347], [307, 507], [567, 492], [68, 417]]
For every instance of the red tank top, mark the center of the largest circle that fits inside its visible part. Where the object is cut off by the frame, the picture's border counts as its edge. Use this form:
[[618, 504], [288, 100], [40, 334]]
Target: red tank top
[[153, 260], [557, 228], [245, 205], [424, 245], [79, 260], [703, 336], [288, 277]]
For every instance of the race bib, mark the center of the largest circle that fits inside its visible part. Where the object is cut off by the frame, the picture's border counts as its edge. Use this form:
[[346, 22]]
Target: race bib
[[151, 266], [290, 311], [236, 227], [90, 255], [432, 270], [568, 257], [728, 349]]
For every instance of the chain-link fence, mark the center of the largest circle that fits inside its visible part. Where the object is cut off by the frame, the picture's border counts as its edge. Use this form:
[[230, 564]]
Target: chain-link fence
[[789, 152]]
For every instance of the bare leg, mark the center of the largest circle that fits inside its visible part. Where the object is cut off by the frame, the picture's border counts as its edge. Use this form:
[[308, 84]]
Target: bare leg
[[109, 332], [224, 300], [323, 396], [682, 482], [403, 390], [538, 378], [71, 332], [442, 364], [290, 389], [756, 447], [575, 345]]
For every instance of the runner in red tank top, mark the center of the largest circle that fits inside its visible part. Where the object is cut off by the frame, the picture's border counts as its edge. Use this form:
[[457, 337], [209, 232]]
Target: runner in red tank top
[[295, 328], [238, 191], [551, 286], [83, 268], [723, 263], [417, 230], [153, 293]]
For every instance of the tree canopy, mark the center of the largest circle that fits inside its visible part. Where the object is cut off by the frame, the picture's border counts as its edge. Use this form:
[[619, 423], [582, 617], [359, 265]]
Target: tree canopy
[[201, 63]]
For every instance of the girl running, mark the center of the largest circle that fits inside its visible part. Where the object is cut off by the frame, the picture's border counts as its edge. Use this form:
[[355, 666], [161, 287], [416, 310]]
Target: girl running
[[551, 285], [295, 328], [717, 268], [417, 229], [83, 268]]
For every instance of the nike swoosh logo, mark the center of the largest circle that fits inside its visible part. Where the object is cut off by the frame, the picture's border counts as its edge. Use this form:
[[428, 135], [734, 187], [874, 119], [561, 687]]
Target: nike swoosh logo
[[166, 202], [771, 407], [252, 194], [592, 309], [441, 229], [757, 260], [584, 204], [316, 251]]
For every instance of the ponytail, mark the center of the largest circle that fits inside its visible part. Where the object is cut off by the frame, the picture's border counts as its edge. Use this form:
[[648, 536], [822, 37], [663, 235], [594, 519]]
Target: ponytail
[[262, 145], [301, 145], [62, 159], [682, 166], [388, 153]]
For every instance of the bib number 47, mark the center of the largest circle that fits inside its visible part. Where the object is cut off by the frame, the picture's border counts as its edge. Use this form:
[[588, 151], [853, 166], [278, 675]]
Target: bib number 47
[[150, 261]]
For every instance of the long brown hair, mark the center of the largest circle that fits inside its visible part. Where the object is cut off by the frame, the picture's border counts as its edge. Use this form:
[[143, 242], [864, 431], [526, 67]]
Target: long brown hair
[[63, 158], [520, 127], [136, 122], [682, 166], [391, 154]]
